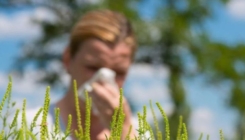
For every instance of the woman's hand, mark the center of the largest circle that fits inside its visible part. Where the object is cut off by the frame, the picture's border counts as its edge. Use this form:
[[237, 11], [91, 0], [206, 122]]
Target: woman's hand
[[105, 98]]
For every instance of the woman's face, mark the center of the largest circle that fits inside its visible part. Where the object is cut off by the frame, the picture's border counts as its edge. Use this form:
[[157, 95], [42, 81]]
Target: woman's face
[[94, 54]]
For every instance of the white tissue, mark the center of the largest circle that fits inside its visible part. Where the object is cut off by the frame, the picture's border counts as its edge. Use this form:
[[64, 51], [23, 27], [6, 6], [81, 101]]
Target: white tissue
[[103, 75]]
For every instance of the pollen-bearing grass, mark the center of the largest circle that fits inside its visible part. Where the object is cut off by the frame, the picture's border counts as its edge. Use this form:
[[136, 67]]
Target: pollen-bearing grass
[[12, 127], [57, 121], [144, 118], [185, 131], [129, 132], [207, 137], [10, 92], [14, 122], [200, 137], [149, 129], [140, 129], [23, 120], [183, 137], [34, 121], [56, 132], [113, 123], [2, 135], [221, 135], [5, 97], [159, 133], [33, 137], [167, 130], [44, 128], [68, 127], [7, 113], [180, 128], [79, 132], [20, 135], [145, 131], [87, 117], [117, 120], [121, 115]]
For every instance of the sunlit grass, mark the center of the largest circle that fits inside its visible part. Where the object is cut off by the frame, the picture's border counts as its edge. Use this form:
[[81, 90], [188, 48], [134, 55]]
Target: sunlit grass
[[11, 131]]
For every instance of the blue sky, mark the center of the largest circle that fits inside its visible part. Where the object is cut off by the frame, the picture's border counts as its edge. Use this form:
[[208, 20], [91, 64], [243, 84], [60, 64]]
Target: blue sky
[[228, 23], [207, 102]]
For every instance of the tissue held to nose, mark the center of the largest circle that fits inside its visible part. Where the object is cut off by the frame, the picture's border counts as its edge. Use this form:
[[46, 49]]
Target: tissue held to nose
[[103, 75]]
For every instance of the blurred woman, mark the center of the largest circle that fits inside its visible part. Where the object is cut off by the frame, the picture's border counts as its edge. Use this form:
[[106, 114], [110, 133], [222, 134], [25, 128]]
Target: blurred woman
[[100, 39]]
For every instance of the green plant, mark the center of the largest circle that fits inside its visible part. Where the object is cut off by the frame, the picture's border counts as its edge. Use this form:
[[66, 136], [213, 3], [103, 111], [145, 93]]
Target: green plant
[[26, 132]]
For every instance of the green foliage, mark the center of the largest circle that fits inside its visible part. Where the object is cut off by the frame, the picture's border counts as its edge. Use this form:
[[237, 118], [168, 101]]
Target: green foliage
[[25, 132]]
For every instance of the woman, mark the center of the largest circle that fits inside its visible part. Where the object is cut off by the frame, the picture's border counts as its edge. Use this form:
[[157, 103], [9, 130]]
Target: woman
[[100, 39]]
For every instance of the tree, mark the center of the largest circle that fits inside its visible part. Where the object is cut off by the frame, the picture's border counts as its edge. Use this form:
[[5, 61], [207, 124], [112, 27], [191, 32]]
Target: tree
[[174, 32]]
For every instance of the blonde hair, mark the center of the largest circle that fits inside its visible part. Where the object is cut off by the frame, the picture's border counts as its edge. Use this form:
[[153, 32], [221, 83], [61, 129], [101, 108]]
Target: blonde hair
[[108, 26]]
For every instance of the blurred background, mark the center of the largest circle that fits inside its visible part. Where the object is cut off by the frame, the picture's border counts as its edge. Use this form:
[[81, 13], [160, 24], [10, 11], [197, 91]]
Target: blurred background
[[191, 57]]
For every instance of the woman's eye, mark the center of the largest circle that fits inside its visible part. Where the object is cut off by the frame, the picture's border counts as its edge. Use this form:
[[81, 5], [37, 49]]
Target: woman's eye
[[92, 68], [120, 74]]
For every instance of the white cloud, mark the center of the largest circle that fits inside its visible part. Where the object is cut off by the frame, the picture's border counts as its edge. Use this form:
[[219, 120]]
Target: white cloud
[[149, 70], [147, 83], [203, 121], [27, 88], [17, 26], [3, 80], [156, 93], [237, 8], [20, 24]]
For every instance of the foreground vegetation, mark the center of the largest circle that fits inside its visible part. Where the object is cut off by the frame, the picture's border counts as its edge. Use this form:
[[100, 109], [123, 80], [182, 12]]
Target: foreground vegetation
[[25, 131]]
